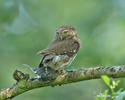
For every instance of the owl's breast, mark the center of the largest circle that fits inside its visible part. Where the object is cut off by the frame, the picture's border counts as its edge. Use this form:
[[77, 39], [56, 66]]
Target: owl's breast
[[60, 61]]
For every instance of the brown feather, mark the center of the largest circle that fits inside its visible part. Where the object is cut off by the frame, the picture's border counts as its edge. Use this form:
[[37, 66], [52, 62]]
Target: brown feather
[[68, 47]]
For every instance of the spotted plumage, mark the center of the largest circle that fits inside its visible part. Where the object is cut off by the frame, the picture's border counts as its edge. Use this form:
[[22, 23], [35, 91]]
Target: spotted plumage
[[60, 52]]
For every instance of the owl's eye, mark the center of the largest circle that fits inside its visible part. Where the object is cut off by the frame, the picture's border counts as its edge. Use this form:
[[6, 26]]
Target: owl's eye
[[65, 32]]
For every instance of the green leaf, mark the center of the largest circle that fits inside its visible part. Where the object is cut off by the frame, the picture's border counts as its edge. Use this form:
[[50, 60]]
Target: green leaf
[[106, 79], [100, 98], [103, 96]]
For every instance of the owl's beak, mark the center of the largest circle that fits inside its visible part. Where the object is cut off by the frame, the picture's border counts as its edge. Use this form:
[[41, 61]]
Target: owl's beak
[[66, 33], [61, 37]]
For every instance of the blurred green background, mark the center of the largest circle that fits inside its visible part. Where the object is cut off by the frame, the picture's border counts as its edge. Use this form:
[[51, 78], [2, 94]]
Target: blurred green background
[[27, 26]]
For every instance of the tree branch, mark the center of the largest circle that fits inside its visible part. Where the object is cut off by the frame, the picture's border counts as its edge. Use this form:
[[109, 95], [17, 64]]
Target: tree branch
[[24, 83]]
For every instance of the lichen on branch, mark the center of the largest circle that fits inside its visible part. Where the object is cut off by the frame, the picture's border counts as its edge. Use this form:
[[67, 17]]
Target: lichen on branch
[[25, 83]]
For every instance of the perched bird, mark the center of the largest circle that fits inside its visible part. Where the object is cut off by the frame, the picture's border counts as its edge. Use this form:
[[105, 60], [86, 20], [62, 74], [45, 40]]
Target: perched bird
[[60, 52]]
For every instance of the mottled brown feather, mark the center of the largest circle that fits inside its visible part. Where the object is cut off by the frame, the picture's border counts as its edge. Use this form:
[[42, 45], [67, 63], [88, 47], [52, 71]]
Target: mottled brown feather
[[68, 47]]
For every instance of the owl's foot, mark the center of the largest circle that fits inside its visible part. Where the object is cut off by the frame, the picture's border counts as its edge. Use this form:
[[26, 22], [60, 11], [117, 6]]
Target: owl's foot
[[50, 73]]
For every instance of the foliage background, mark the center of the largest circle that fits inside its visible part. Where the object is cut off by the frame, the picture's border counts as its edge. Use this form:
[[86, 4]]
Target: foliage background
[[27, 26]]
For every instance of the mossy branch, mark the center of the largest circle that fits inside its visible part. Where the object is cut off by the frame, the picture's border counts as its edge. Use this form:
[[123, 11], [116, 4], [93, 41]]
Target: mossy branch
[[25, 83]]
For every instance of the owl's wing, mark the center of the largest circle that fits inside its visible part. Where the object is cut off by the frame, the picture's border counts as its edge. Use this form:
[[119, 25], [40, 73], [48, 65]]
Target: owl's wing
[[68, 47]]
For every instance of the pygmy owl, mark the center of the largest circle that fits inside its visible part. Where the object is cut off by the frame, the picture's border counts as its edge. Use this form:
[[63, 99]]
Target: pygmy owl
[[60, 52]]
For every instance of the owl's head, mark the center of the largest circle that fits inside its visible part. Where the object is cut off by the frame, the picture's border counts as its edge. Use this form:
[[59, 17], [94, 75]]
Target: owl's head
[[66, 32]]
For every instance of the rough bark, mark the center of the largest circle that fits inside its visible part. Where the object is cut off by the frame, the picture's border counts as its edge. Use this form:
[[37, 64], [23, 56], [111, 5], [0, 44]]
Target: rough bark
[[25, 83]]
